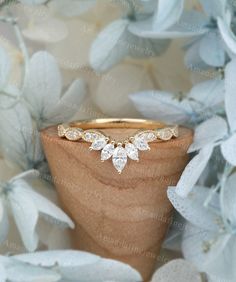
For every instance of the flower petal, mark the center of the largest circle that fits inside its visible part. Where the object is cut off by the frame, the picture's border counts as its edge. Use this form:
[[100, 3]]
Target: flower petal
[[230, 97], [48, 209], [16, 135], [214, 8], [108, 48], [162, 106], [25, 214], [67, 258], [228, 149], [208, 132], [42, 87], [19, 272], [193, 171], [208, 251], [4, 67], [4, 224], [177, 270], [212, 50], [69, 103], [227, 35], [192, 208], [168, 13], [228, 196]]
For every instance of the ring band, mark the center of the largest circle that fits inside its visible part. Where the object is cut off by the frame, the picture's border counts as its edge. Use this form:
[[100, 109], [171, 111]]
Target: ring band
[[120, 151]]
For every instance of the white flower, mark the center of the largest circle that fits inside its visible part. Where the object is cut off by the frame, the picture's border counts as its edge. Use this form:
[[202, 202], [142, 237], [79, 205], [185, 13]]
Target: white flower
[[26, 206], [209, 238], [211, 133]]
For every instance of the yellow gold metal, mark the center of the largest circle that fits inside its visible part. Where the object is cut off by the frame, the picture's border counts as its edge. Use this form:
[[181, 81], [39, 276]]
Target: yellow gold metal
[[90, 131]]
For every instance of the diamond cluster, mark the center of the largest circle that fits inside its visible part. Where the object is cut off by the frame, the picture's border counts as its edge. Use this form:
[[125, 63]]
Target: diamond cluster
[[118, 151]]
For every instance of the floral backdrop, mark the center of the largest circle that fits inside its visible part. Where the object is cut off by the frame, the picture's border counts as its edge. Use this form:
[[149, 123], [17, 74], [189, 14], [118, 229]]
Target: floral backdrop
[[171, 60]]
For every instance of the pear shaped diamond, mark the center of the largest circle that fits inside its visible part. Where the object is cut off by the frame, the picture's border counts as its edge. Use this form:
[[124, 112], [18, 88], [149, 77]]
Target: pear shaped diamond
[[119, 158], [107, 152], [98, 144], [131, 151]]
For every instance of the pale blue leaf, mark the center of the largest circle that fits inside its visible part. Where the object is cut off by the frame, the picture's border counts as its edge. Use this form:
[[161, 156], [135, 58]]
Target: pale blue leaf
[[69, 103], [190, 24], [228, 149], [24, 213], [192, 171], [227, 35], [211, 49], [4, 223], [72, 8], [168, 13], [216, 128], [5, 66], [109, 47], [16, 134], [67, 258], [214, 8], [103, 270], [228, 196], [42, 87], [162, 106], [230, 97], [192, 209], [48, 209], [19, 272]]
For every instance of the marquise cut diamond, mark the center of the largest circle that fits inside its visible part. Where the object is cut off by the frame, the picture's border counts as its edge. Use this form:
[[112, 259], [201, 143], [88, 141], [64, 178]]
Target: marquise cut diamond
[[91, 136], [165, 134], [120, 150], [107, 152], [141, 144], [98, 144], [131, 151], [119, 158], [73, 134]]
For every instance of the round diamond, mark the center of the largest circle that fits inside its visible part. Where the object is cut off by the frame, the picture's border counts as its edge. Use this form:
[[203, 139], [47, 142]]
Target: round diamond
[[107, 152]]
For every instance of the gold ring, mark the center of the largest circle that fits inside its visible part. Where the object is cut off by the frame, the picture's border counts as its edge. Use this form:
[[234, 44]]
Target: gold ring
[[120, 151]]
